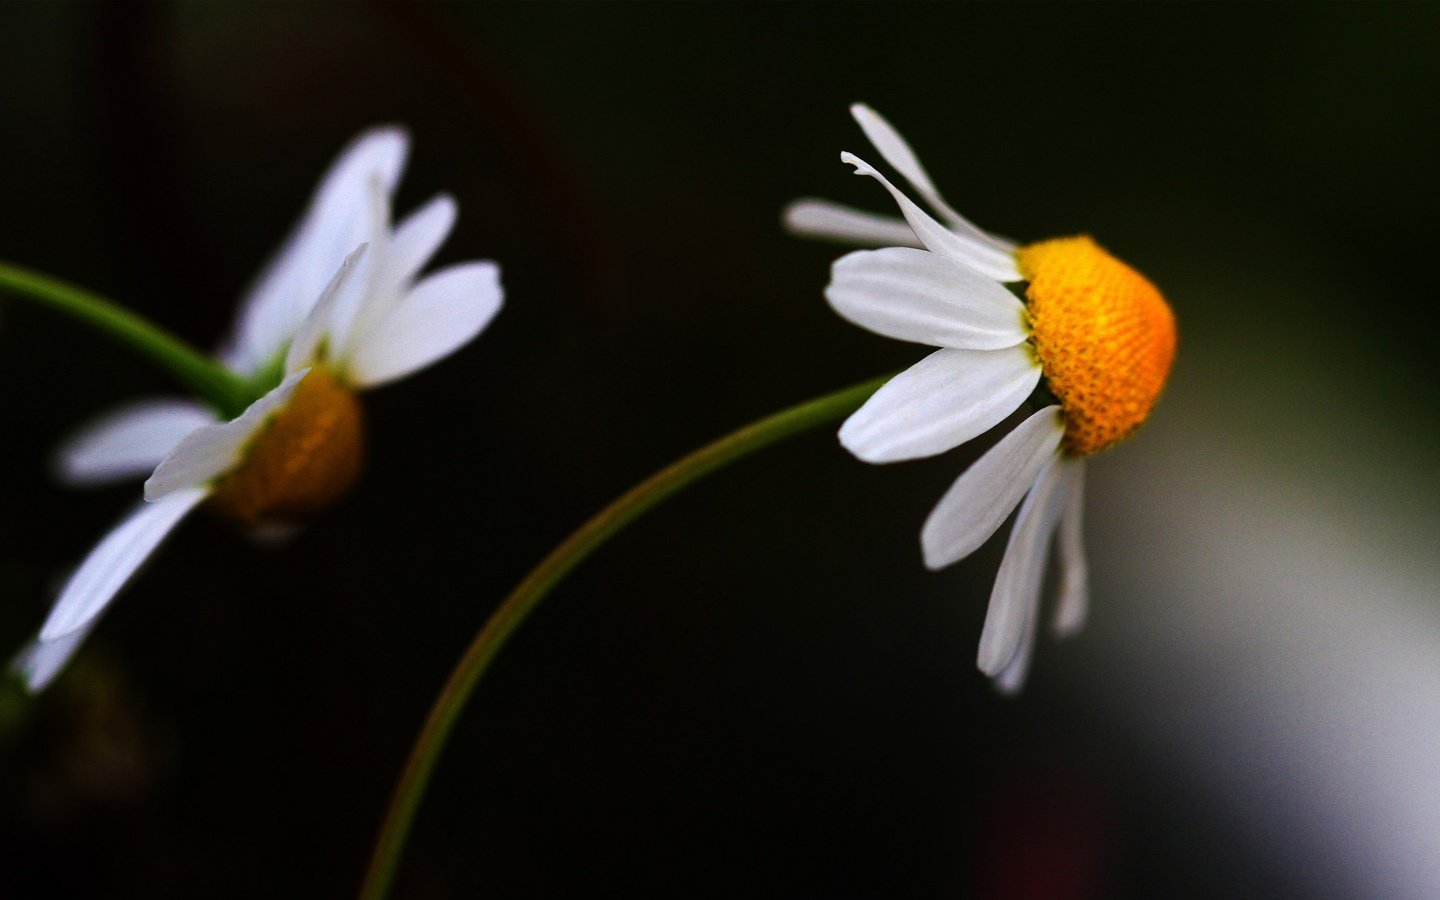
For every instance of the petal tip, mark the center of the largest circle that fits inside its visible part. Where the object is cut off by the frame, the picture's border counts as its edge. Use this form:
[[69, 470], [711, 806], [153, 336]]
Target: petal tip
[[53, 631], [448, 208], [861, 166], [848, 440], [932, 552], [1008, 687], [792, 215], [382, 150], [866, 445], [394, 134], [990, 660]]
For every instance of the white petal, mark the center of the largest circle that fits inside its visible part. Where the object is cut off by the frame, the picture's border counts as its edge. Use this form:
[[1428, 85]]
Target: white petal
[[1014, 602], [898, 154], [376, 153], [439, 316], [209, 452], [114, 560], [366, 290], [128, 442], [404, 254], [939, 403], [418, 237], [40, 661], [1011, 679], [967, 251], [978, 502], [915, 295], [833, 222], [346, 288], [1074, 572], [338, 220]]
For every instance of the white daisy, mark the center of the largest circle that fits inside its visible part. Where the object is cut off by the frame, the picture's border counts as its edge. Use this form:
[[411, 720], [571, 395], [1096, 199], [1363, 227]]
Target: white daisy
[[339, 310], [1060, 323]]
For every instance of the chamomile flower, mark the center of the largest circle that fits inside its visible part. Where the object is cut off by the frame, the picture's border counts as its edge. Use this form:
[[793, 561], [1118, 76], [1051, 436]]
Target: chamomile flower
[[1060, 324], [341, 309]]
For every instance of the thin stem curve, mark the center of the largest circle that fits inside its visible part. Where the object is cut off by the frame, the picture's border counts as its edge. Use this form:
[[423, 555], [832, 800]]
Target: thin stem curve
[[217, 385], [410, 789]]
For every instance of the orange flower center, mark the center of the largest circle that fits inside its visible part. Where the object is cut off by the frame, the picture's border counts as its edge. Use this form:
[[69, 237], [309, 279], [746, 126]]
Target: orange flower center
[[302, 461], [1104, 336]]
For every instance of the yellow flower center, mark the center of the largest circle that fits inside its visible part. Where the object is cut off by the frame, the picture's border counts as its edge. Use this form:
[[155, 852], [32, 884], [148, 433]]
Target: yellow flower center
[[302, 461], [1104, 336]]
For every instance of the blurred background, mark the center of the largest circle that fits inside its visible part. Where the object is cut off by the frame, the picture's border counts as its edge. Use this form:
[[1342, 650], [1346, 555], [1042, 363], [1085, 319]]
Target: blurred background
[[758, 690]]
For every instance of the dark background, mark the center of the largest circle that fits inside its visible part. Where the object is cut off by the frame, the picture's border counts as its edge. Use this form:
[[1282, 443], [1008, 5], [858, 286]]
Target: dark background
[[758, 690]]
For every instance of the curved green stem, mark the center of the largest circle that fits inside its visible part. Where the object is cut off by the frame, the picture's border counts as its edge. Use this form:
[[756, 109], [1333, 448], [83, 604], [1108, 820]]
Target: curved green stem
[[223, 389], [527, 595]]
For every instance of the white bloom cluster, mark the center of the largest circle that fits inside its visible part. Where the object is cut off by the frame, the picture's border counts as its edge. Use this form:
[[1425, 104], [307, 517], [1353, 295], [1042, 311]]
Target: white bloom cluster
[[342, 308]]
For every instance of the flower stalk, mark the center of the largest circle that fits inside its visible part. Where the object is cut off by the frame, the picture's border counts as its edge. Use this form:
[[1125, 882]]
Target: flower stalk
[[503, 622], [227, 392]]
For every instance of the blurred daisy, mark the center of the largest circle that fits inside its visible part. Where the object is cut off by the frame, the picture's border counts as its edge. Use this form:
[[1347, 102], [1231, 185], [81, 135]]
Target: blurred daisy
[[1060, 324], [339, 310]]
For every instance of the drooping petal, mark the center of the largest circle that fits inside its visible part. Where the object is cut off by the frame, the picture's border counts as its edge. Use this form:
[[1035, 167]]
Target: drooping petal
[[114, 560], [896, 151], [1014, 602], [441, 314], [980, 499], [128, 442], [1011, 679], [40, 661], [832, 222], [208, 452], [915, 295], [1074, 602], [346, 287], [981, 257], [338, 219], [939, 403]]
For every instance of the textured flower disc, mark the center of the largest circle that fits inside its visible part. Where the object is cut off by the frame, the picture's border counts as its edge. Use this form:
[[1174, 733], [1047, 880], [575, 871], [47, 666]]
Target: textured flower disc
[[304, 460], [1104, 336]]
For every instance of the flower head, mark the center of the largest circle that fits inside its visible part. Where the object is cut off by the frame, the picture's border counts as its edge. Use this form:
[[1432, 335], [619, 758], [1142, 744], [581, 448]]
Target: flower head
[[1060, 324], [342, 308]]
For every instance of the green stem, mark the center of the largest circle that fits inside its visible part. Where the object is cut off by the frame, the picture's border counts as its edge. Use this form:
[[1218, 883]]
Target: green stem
[[223, 389], [527, 595]]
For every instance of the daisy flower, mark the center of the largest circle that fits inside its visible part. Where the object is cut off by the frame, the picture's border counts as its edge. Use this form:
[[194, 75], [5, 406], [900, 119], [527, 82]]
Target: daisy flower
[[1059, 324], [342, 308]]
